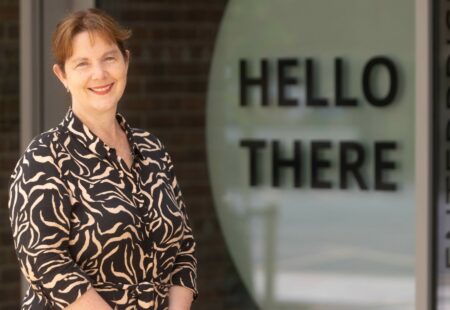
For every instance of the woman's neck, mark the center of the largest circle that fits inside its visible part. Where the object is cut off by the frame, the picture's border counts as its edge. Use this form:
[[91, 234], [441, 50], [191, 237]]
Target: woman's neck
[[103, 125]]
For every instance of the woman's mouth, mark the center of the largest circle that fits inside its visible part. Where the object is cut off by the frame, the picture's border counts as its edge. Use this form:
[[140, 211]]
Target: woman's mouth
[[101, 90]]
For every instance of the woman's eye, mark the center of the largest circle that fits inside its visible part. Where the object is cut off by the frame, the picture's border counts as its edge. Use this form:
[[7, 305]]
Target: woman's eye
[[81, 64], [110, 59]]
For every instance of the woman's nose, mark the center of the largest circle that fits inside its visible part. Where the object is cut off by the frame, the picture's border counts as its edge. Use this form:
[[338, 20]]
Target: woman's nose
[[98, 72]]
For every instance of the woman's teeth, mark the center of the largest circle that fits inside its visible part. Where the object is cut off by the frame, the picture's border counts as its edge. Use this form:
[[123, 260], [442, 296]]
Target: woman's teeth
[[101, 90]]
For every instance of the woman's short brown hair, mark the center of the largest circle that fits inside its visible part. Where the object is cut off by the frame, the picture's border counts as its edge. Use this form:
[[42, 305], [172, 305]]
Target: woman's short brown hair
[[91, 20]]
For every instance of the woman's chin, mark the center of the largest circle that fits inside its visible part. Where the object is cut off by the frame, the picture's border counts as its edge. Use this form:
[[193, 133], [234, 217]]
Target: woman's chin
[[96, 106]]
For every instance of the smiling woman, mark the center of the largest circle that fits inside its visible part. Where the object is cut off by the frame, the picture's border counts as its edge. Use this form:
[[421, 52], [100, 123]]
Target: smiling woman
[[97, 214], [95, 74]]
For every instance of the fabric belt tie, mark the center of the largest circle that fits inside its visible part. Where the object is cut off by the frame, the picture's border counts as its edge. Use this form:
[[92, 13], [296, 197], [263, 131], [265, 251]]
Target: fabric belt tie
[[143, 292]]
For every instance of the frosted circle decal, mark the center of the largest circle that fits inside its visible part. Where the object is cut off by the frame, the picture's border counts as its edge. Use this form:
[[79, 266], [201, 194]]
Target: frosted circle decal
[[310, 139]]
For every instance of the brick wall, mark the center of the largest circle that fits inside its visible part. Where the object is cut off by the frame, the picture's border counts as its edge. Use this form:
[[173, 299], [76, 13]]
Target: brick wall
[[9, 146], [171, 49]]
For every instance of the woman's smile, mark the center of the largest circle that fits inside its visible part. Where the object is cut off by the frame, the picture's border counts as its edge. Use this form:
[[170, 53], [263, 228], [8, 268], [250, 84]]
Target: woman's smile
[[95, 74], [101, 90]]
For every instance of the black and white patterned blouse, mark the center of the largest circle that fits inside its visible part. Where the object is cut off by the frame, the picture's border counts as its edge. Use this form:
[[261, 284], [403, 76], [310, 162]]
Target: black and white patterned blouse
[[82, 218]]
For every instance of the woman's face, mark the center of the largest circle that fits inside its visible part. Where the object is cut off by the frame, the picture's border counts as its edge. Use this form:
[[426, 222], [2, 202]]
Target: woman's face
[[95, 74]]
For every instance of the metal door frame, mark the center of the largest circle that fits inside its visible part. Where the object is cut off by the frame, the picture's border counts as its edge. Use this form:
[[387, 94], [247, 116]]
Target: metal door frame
[[42, 99]]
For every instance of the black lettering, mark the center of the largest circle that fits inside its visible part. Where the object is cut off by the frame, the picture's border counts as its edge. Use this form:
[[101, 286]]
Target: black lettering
[[285, 81], [253, 146], [447, 66], [447, 257], [246, 82], [382, 165], [347, 166], [318, 164], [367, 85], [447, 19], [447, 189], [447, 157], [447, 131], [278, 163], [448, 97], [339, 85], [310, 81]]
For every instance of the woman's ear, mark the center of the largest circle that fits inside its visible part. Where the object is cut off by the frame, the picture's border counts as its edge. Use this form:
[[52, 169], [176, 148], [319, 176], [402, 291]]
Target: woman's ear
[[58, 71], [128, 54], [127, 59]]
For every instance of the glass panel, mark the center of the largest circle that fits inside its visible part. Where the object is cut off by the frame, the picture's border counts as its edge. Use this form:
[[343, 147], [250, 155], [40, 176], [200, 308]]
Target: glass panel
[[335, 238]]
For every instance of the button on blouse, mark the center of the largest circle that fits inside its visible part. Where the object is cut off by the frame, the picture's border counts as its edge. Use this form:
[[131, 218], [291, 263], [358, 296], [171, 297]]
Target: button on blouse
[[82, 218]]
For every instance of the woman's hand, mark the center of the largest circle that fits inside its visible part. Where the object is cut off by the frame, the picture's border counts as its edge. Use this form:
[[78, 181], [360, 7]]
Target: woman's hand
[[89, 300], [180, 298]]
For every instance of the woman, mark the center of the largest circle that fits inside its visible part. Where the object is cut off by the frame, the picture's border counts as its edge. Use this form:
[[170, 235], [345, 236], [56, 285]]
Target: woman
[[97, 214]]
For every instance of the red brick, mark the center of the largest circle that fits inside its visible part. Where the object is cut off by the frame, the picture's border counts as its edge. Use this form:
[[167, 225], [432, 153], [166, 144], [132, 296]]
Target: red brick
[[9, 292], [9, 273], [9, 148], [151, 15], [8, 256], [192, 121], [13, 31], [9, 12]]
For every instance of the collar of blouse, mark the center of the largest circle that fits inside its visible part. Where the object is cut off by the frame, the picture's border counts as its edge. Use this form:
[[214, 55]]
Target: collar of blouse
[[89, 140]]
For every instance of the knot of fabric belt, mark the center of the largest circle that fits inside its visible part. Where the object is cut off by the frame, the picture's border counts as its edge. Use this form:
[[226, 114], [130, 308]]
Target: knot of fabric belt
[[145, 287], [137, 289]]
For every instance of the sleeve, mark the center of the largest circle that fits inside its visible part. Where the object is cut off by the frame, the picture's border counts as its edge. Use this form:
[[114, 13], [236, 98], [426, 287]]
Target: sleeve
[[185, 267], [39, 207]]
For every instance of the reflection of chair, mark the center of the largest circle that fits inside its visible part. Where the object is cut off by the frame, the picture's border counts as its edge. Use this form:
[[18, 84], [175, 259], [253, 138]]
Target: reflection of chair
[[270, 216]]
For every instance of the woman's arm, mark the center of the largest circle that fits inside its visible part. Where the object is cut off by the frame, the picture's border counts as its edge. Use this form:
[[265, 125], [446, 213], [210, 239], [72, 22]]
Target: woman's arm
[[89, 300], [40, 211], [180, 298], [184, 273]]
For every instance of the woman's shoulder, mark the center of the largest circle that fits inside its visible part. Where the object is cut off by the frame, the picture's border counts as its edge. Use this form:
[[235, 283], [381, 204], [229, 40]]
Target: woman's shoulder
[[38, 160], [146, 139], [44, 143], [42, 150]]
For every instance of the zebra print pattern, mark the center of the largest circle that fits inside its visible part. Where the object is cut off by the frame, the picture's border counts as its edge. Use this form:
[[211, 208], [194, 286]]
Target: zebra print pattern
[[81, 218]]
